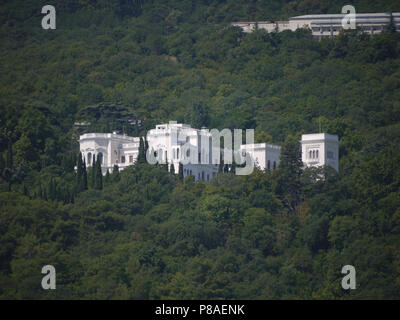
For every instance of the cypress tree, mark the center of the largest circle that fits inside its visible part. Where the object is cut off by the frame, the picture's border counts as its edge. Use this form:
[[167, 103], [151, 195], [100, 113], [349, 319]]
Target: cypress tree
[[107, 177], [142, 152], [93, 173], [172, 168], [84, 176], [289, 174], [180, 173], [146, 145], [115, 173], [98, 176], [79, 173]]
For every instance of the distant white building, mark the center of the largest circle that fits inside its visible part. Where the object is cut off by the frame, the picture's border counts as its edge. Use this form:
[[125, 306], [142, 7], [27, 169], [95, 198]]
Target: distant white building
[[173, 143], [112, 148], [325, 25], [265, 156], [320, 149]]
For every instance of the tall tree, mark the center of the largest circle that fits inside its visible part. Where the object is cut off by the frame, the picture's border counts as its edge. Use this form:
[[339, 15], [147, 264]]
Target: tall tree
[[93, 173], [180, 173], [107, 177], [142, 152], [115, 173], [98, 175], [84, 176], [288, 175], [79, 174]]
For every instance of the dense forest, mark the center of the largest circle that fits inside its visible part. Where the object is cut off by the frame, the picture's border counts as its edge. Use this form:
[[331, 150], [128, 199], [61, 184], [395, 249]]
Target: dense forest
[[144, 233]]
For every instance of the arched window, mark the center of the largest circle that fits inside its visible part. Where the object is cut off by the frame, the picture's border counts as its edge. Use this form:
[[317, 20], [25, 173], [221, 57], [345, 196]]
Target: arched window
[[317, 154], [313, 154], [89, 158], [310, 154], [269, 164], [177, 153]]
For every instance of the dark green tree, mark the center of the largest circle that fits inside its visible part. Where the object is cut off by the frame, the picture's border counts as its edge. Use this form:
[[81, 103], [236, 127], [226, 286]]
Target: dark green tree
[[115, 173], [142, 152], [288, 175], [172, 168], [79, 174], [84, 175], [93, 173], [107, 177], [98, 182], [180, 173]]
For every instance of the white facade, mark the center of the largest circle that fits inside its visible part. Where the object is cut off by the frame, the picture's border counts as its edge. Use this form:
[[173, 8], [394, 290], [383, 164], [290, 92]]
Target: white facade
[[325, 25], [170, 143], [112, 148], [173, 143], [265, 156], [176, 142], [320, 149]]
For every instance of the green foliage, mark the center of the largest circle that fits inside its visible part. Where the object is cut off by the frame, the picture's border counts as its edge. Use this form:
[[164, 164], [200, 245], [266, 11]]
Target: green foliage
[[141, 233]]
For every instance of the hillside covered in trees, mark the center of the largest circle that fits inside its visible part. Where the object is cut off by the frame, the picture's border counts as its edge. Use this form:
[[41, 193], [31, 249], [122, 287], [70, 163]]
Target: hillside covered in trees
[[144, 233]]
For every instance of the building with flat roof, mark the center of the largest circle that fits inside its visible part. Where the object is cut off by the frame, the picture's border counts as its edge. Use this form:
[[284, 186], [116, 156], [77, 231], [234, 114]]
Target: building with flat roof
[[320, 149], [175, 143], [325, 25], [110, 148], [264, 155]]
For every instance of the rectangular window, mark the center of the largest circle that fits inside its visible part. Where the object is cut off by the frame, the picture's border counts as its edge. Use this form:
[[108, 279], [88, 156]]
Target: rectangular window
[[130, 159], [123, 159]]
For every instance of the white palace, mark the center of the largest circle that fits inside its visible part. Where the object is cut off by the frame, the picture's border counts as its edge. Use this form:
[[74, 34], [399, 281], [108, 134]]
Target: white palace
[[176, 142], [325, 25]]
